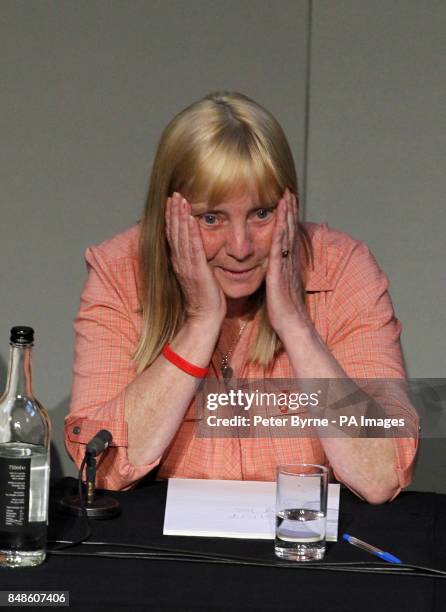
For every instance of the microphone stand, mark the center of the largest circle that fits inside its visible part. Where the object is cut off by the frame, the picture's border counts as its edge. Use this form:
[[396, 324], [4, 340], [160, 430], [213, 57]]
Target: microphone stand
[[96, 506]]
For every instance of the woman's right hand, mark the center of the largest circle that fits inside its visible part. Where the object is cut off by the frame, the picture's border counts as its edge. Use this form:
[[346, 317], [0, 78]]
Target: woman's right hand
[[205, 299]]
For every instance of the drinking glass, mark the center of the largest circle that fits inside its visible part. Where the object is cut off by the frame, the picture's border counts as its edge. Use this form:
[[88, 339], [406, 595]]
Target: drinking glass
[[301, 511]]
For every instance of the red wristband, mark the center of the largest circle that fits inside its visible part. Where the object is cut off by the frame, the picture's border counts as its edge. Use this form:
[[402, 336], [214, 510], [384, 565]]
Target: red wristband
[[184, 365]]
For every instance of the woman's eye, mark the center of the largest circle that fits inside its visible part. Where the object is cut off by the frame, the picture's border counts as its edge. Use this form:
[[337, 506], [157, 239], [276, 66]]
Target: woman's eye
[[209, 219], [263, 213]]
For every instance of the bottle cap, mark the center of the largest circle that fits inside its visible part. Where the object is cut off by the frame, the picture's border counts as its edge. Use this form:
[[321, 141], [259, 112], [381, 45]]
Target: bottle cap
[[22, 335]]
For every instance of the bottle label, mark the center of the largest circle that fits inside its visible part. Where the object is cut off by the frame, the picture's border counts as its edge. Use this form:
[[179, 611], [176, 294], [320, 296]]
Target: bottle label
[[15, 476]]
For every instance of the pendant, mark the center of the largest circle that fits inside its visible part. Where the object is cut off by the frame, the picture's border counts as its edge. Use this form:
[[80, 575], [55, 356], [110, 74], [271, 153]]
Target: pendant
[[226, 372]]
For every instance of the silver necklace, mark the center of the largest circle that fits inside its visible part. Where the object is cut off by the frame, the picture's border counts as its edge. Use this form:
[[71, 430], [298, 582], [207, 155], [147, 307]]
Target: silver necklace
[[225, 369]]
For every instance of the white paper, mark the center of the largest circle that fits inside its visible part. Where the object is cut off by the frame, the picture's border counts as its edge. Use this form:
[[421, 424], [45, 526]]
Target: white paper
[[231, 509]]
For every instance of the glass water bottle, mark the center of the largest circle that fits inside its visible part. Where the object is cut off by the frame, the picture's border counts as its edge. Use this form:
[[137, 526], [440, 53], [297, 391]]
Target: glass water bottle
[[24, 461]]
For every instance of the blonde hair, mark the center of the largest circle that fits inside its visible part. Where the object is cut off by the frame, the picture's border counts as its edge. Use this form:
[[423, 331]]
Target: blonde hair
[[210, 151]]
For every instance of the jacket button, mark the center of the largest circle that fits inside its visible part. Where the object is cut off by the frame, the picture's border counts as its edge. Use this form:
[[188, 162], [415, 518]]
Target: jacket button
[[76, 430]]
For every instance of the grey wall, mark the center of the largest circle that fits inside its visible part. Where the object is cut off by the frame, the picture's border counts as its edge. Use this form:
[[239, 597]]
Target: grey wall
[[376, 163], [87, 87], [377, 151]]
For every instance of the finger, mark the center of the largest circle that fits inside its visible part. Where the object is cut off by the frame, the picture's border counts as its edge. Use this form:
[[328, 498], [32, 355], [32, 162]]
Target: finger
[[285, 241], [277, 238], [296, 208], [286, 232], [292, 232], [297, 235], [291, 218], [174, 221], [167, 218], [169, 230], [277, 232], [196, 242], [184, 249], [293, 237]]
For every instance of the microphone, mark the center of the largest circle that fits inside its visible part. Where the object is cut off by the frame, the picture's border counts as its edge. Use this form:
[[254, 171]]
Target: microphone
[[95, 506], [99, 443]]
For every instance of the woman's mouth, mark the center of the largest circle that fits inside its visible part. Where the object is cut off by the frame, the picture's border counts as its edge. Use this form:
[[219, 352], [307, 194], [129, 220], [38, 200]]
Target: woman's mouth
[[238, 274]]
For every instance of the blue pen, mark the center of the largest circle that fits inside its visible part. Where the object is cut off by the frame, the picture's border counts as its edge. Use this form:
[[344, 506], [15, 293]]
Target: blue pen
[[385, 556]]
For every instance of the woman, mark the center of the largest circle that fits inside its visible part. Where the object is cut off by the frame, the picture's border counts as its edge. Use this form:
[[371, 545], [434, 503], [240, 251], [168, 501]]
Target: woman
[[221, 279]]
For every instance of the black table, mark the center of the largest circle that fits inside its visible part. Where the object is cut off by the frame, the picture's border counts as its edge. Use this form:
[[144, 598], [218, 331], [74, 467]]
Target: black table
[[413, 527]]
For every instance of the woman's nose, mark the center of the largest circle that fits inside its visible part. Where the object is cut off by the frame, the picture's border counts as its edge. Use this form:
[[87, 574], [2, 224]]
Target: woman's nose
[[239, 243]]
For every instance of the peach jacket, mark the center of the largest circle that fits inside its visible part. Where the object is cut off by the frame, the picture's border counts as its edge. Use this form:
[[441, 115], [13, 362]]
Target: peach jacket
[[347, 301]]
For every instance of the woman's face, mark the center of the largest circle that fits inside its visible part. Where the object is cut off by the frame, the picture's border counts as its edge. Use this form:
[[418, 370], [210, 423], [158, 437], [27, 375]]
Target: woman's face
[[237, 237]]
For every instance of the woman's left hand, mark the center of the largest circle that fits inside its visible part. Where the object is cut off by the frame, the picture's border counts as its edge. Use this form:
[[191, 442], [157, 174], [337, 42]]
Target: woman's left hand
[[284, 301]]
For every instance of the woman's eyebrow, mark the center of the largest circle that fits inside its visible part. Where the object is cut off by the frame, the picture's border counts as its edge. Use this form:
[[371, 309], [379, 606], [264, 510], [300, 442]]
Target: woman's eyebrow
[[201, 209]]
